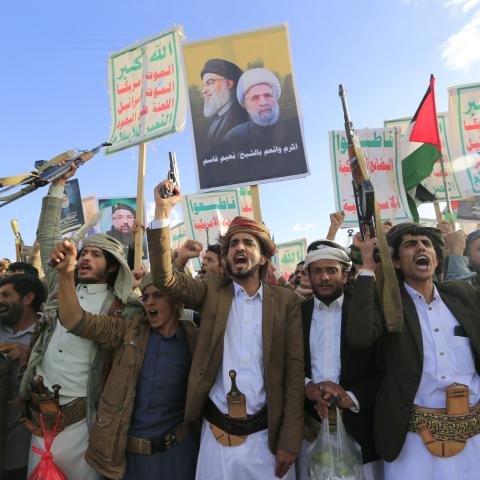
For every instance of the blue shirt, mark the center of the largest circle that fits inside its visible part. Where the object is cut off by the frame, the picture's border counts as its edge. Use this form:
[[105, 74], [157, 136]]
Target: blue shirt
[[162, 386]]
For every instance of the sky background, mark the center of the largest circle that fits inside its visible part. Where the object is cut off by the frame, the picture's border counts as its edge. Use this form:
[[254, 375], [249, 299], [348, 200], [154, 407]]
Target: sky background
[[54, 91]]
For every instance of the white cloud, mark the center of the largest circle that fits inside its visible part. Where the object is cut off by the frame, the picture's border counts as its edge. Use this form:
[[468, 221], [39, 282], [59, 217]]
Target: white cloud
[[462, 49], [303, 227], [464, 5]]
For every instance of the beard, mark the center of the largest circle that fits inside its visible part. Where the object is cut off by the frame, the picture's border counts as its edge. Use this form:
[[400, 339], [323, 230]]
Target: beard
[[218, 100], [327, 299], [10, 315], [266, 118], [242, 275]]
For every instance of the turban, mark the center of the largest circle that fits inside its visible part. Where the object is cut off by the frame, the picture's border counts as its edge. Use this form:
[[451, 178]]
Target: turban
[[257, 76], [396, 233], [147, 280], [224, 68], [124, 281], [246, 225], [123, 206], [328, 250], [470, 239]]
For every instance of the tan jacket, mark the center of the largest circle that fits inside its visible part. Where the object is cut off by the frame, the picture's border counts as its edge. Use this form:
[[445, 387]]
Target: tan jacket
[[108, 435], [282, 342]]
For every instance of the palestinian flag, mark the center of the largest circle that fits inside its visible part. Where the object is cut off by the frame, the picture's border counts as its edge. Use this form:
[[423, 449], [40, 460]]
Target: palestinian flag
[[421, 148]]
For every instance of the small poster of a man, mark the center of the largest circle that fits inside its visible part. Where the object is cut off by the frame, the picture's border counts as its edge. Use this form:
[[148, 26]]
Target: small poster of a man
[[72, 212], [118, 219], [244, 110]]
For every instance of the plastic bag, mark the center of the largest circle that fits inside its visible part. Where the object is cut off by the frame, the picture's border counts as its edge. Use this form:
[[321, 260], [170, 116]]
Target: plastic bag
[[335, 455], [46, 468]]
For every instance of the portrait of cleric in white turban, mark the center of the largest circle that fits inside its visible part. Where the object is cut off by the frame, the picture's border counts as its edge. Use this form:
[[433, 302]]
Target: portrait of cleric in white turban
[[244, 113]]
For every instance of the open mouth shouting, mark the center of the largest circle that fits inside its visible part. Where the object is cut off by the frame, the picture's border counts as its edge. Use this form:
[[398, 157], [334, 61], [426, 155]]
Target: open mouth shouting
[[152, 313], [84, 268], [240, 260], [422, 262]]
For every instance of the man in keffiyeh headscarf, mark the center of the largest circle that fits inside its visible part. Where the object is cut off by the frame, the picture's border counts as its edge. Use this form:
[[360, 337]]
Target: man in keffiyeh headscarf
[[249, 332], [103, 286]]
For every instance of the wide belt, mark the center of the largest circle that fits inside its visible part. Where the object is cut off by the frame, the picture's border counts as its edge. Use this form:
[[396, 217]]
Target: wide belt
[[144, 446], [444, 435], [443, 426], [71, 413], [235, 426]]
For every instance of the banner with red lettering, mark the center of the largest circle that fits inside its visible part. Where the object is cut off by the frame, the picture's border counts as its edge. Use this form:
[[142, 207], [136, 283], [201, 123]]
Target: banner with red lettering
[[381, 147], [147, 90]]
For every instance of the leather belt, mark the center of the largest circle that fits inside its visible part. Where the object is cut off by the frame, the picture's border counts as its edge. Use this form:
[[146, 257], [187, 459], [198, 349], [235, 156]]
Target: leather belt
[[445, 427], [235, 426], [143, 446], [71, 413]]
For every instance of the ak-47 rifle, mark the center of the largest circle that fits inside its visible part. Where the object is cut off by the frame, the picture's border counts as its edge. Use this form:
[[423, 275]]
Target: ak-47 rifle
[[46, 172], [363, 190], [18, 240], [172, 175], [369, 221]]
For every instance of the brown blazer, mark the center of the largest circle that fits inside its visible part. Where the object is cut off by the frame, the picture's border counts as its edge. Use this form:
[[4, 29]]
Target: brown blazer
[[127, 339], [282, 342]]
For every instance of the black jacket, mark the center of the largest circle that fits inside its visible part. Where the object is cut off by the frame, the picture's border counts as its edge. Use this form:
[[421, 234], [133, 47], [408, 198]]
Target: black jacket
[[359, 374], [402, 352]]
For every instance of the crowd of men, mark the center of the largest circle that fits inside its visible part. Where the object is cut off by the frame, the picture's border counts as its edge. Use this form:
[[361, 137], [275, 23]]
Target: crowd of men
[[231, 374]]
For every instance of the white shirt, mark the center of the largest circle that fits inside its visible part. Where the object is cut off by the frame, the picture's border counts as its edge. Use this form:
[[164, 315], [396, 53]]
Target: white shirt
[[325, 340], [325, 332], [242, 352], [68, 358], [446, 358]]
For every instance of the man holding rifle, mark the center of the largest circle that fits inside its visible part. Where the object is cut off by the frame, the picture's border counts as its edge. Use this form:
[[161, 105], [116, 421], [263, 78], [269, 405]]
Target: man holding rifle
[[71, 367], [427, 414]]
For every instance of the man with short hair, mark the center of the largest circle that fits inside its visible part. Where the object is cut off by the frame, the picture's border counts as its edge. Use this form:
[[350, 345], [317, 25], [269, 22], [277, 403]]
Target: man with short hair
[[21, 297], [219, 84], [18, 268], [333, 370], [427, 419], [212, 261], [104, 286], [249, 341]]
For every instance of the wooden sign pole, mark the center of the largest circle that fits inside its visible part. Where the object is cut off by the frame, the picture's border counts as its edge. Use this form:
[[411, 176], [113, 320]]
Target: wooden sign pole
[[256, 203], [438, 212], [142, 148]]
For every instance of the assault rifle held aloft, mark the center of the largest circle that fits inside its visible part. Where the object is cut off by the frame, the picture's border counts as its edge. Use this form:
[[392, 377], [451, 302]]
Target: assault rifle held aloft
[[363, 190], [172, 175], [46, 172]]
